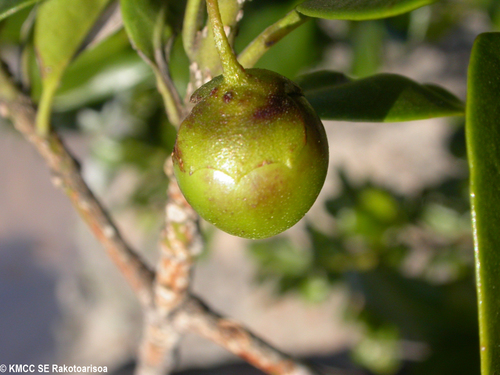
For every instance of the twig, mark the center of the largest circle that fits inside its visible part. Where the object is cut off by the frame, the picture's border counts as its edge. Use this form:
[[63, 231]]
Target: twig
[[66, 175], [269, 37], [196, 317], [170, 95], [166, 87]]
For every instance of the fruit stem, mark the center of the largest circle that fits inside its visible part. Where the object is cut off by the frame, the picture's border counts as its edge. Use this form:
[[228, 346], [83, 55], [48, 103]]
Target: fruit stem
[[232, 70]]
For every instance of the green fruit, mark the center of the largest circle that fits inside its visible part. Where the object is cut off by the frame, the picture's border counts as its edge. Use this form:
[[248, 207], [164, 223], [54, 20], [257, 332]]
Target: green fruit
[[251, 158]]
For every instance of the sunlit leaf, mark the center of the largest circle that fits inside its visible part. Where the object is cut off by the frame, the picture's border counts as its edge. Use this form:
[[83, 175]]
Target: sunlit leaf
[[56, 46], [378, 98], [483, 140], [359, 9], [8, 7]]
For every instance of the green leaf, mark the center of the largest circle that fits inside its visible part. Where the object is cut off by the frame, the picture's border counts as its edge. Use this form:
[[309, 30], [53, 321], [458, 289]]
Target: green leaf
[[9, 7], [59, 32], [110, 68], [359, 9], [378, 98], [144, 22], [320, 80], [483, 143]]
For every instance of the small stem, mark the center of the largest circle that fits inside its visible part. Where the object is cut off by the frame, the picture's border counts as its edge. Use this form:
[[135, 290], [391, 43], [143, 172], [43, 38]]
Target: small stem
[[232, 70], [166, 87], [269, 37], [8, 91]]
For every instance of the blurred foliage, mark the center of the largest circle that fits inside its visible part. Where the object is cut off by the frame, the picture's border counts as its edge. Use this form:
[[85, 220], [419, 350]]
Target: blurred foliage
[[368, 47], [405, 261], [408, 265]]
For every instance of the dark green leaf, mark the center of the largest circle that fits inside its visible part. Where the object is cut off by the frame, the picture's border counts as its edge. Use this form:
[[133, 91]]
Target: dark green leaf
[[359, 9], [378, 98], [445, 94], [56, 46], [319, 80], [16, 29], [8, 7], [483, 143]]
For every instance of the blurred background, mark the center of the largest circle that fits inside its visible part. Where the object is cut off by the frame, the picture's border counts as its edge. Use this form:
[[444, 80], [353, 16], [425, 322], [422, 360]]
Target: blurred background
[[378, 278]]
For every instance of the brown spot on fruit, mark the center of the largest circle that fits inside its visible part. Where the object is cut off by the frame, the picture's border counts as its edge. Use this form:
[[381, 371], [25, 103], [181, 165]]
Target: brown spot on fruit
[[195, 99], [177, 157], [265, 162], [228, 96], [276, 105]]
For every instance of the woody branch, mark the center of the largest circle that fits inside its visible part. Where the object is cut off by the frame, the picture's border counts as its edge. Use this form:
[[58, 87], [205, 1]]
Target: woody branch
[[169, 308]]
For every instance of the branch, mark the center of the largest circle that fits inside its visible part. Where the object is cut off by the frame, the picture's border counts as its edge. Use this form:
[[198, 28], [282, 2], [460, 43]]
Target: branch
[[169, 308], [269, 37], [66, 175], [181, 242], [158, 347], [196, 317]]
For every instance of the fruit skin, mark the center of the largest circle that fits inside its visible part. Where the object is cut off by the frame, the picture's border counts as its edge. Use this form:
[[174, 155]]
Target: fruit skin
[[251, 158]]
